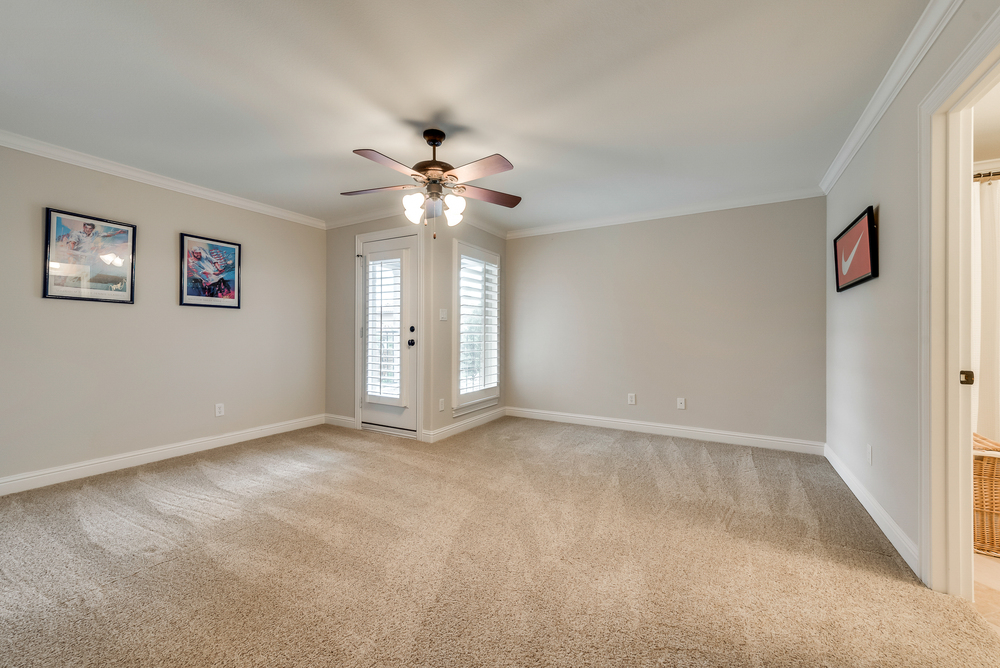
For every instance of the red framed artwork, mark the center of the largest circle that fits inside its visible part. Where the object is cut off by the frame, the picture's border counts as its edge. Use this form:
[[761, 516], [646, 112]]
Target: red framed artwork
[[855, 251]]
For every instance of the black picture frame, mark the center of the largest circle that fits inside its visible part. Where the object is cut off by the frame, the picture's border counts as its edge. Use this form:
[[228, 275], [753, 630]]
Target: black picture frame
[[860, 235], [95, 265], [210, 272]]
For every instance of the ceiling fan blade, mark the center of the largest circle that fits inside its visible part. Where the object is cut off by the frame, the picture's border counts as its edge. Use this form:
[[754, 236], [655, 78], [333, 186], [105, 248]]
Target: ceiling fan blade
[[387, 161], [493, 164], [378, 190], [491, 196]]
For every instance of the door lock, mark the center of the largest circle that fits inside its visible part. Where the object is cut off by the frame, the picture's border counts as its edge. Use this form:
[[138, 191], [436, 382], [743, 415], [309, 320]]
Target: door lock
[[412, 328]]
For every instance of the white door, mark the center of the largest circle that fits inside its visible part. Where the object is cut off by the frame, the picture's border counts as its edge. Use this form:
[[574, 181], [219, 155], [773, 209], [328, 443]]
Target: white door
[[389, 335]]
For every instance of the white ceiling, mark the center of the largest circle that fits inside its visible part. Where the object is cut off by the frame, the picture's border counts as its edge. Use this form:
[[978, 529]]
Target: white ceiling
[[610, 110]]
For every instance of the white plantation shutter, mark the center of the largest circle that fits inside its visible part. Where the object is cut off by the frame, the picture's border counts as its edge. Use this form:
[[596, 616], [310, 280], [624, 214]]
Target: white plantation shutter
[[478, 325], [383, 364]]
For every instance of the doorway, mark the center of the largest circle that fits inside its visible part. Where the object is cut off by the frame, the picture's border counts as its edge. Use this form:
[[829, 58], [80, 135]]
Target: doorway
[[387, 313], [947, 292]]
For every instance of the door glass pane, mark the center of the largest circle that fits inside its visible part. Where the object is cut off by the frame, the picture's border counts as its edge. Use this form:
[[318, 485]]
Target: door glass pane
[[384, 328]]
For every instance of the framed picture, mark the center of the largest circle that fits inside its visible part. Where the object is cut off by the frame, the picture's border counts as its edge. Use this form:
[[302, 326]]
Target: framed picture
[[210, 272], [855, 251], [88, 258]]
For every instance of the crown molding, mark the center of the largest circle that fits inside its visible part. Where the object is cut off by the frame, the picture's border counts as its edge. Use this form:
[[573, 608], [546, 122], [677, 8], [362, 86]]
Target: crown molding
[[924, 34], [986, 166], [69, 156], [666, 213]]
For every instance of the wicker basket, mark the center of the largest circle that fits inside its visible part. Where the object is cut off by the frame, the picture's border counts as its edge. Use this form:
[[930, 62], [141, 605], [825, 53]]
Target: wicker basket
[[986, 503]]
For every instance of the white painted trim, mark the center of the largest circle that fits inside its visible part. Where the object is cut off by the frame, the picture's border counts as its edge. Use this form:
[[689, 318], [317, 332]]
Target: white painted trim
[[464, 425], [71, 157], [696, 433], [34, 479], [969, 75], [924, 33], [340, 421], [905, 545], [475, 406], [626, 219], [969, 60]]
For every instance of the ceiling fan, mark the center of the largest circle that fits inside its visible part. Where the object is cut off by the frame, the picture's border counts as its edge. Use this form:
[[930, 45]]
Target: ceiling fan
[[436, 177]]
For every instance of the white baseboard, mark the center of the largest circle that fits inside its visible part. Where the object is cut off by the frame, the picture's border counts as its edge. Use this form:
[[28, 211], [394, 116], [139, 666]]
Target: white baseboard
[[33, 479], [464, 425], [341, 421], [906, 547], [697, 433]]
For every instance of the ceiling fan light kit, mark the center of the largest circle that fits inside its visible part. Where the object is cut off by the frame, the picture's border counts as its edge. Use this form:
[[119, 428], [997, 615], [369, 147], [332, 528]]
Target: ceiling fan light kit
[[436, 177]]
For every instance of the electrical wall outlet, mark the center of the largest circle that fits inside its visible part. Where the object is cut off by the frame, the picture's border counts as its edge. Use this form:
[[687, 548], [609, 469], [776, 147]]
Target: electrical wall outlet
[[631, 400], [440, 404], [869, 454], [681, 404], [220, 410]]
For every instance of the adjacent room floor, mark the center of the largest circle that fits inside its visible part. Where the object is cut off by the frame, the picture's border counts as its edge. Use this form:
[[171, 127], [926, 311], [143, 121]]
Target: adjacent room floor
[[520, 543], [987, 574]]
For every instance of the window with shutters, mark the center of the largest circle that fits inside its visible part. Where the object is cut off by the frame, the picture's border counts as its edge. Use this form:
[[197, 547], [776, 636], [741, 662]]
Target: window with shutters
[[477, 329]]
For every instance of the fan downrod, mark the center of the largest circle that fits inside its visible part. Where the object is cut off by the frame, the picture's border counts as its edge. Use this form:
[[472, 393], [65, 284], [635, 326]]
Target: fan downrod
[[433, 169]]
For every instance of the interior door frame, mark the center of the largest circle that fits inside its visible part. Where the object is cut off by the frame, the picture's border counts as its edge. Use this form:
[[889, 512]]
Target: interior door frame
[[945, 153], [359, 318]]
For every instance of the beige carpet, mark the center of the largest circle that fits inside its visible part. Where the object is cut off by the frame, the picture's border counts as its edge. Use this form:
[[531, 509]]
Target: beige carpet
[[521, 543]]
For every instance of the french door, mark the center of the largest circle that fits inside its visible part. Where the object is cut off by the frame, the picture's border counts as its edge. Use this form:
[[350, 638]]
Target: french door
[[389, 335]]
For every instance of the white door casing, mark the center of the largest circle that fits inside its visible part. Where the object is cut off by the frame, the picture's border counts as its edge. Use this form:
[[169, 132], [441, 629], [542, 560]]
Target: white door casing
[[946, 167], [387, 355]]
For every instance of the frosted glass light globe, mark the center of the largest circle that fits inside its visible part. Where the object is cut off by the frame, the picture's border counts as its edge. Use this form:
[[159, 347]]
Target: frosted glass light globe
[[455, 203], [414, 201]]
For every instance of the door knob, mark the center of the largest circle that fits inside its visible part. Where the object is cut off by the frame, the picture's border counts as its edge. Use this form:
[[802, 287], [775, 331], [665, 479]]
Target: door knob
[[411, 343]]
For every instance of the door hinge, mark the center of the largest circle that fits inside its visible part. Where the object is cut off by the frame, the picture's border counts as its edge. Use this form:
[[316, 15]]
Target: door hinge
[[362, 332], [966, 377]]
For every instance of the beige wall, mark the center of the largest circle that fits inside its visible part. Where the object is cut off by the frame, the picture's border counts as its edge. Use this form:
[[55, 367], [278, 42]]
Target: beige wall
[[873, 386], [725, 309], [82, 380], [435, 343]]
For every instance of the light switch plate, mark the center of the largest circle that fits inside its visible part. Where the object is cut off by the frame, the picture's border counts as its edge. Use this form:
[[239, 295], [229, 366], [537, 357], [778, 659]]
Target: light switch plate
[[444, 314]]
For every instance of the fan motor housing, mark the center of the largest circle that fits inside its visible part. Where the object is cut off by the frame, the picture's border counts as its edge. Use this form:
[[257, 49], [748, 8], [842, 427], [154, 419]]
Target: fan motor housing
[[432, 169]]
